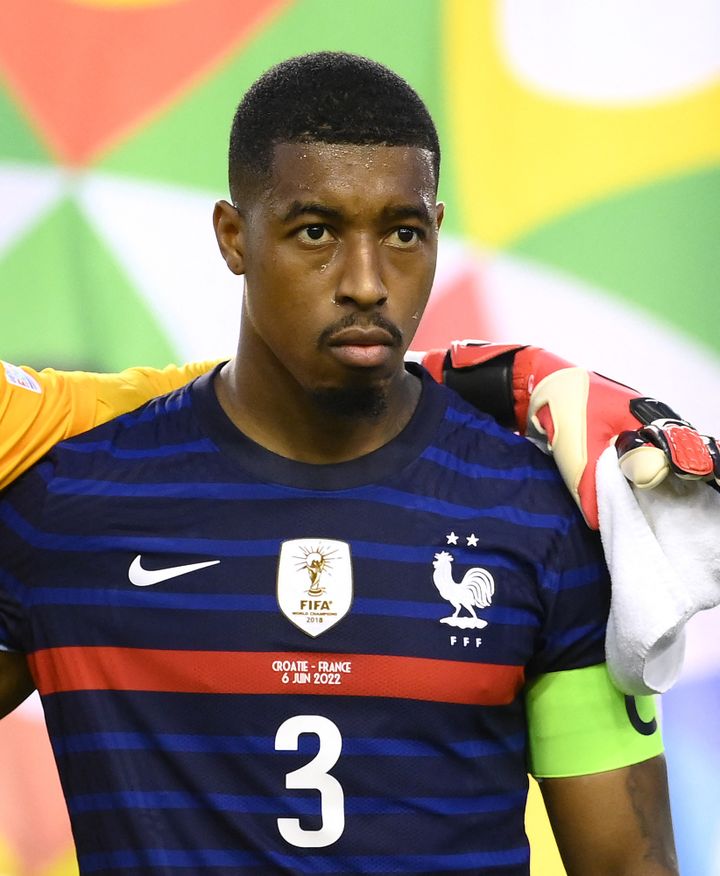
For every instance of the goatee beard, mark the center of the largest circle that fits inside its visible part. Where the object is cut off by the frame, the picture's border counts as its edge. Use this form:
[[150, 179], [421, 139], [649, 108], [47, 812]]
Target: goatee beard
[[363, 402]]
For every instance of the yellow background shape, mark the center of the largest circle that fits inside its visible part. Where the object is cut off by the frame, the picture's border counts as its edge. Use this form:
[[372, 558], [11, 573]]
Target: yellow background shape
[[9, 864], [544, 855], [524, 157], [65, 865]]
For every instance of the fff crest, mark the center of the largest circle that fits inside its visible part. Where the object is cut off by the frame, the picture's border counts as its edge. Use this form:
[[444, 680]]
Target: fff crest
[[314, 583]]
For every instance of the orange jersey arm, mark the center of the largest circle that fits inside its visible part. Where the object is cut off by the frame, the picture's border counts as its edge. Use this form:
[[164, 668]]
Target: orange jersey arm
[[40, 408]]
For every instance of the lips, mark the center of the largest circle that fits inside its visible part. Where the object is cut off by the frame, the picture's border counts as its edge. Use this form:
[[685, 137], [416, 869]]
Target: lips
[[361, 337], [362, 347]]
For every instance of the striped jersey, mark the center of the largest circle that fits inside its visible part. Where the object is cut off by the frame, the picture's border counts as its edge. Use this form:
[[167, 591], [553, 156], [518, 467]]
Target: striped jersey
[[254, 665], [40, 408]]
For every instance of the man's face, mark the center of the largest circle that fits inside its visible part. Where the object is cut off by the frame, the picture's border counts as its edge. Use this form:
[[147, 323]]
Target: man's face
[[339, 255]]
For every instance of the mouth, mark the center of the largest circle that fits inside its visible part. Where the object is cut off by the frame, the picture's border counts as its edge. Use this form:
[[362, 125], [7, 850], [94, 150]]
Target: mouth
[[362, 347]]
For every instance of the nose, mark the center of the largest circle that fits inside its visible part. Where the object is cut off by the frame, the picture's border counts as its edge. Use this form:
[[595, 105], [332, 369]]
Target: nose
[[360, 280]]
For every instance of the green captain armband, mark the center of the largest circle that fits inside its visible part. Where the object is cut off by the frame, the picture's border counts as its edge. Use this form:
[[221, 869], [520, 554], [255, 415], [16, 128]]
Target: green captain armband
[[580, 723]]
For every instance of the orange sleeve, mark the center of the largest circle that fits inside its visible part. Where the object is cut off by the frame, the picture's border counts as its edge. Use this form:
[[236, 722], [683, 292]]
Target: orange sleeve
[[40, 408], [117, 393]]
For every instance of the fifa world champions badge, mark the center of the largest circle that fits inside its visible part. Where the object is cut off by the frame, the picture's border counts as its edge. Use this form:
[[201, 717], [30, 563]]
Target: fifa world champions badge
[[314, 583]]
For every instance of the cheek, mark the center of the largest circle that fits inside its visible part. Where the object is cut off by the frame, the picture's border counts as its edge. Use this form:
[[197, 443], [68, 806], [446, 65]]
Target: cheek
[[285, 305], [412, 283]]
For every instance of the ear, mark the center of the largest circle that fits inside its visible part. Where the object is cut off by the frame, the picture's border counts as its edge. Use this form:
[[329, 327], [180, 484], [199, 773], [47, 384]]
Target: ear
[[230, 233], [439, 213]]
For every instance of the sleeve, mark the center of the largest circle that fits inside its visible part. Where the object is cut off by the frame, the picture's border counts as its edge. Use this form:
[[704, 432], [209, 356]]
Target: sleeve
[[40, 408], [574, 592], [118, 393], [37, 409], [578, 722], [21, 509]]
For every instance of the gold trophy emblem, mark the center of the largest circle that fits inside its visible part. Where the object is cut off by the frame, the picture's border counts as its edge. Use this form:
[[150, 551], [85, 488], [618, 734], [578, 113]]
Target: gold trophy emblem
[[316, 561]]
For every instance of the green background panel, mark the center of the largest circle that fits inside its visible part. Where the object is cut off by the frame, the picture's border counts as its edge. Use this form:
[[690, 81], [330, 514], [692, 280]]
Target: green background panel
[[64, 294], [187, 145], [18, 141], [656, 245]]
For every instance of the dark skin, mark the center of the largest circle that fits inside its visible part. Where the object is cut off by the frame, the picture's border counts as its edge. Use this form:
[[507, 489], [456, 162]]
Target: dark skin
[[341, 233], [338, 252], [616, 822]]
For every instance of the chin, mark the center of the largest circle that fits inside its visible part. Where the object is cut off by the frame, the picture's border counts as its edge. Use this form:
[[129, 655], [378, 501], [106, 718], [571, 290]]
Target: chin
[[366, 401]]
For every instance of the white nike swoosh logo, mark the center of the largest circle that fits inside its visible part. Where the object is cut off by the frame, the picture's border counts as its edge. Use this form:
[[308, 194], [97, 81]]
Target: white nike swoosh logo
[[146, 578]]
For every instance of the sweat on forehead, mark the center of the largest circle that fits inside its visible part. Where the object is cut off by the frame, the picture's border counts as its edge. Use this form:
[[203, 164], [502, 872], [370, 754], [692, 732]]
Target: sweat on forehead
[[344, 184], [326, 97], [346, 178]]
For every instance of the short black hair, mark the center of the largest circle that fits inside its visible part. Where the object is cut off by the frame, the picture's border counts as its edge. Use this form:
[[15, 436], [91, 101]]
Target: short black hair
[[324, 97]]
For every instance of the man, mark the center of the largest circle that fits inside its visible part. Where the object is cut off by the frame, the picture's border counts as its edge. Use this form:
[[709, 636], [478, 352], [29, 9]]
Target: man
[[292, 617]]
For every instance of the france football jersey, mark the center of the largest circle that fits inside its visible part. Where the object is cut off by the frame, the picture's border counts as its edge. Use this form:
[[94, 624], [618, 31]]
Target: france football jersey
[[254, 665]]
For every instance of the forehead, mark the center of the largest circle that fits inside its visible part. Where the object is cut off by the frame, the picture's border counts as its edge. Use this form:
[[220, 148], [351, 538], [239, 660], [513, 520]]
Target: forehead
[[351, 176]]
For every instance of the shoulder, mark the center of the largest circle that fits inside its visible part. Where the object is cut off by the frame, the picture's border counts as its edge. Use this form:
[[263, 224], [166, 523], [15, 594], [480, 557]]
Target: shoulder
[[166, 419], [160, 441], [131, 445], [465, 422], [469, 435], [37, 409]]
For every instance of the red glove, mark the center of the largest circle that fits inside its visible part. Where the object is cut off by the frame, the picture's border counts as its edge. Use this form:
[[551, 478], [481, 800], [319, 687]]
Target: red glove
[[574, 414]]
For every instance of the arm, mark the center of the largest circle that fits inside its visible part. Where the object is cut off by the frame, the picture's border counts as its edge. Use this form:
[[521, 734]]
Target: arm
[[614, 823], [118, 393], [16, 683], [598, 758], [40, 408], [574, 414]]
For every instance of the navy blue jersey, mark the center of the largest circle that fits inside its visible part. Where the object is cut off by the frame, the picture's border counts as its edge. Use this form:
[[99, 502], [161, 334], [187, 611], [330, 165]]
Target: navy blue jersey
[[253, 665]]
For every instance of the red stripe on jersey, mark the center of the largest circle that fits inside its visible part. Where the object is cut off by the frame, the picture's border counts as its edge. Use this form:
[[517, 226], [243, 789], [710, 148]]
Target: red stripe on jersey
[[57, 670]]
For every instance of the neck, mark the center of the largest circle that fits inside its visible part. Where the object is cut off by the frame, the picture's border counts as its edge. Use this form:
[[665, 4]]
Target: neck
[[269, 406]]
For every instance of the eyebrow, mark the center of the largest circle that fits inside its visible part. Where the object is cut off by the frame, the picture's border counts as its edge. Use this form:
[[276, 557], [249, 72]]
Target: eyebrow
[[392, 214], [408, 211], [300, 208]]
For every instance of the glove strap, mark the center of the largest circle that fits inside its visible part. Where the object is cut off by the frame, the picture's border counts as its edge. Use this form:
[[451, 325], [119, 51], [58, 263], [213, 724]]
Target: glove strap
[[483, 375]]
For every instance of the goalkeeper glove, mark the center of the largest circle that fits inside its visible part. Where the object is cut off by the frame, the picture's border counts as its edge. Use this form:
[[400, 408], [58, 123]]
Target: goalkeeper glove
[[575, 414]]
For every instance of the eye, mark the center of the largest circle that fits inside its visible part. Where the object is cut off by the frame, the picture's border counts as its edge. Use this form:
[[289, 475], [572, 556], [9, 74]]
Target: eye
[[405, 236], [314, 234]]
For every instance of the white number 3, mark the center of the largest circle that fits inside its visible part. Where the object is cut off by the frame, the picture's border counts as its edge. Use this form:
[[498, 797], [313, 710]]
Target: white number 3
[[314, 775]]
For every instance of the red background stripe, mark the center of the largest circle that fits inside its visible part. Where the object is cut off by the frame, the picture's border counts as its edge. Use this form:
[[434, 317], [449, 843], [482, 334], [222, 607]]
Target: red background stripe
[[58, 670]]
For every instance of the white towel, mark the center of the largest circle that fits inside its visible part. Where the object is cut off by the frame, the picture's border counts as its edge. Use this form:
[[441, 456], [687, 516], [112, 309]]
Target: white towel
[[663, 550]]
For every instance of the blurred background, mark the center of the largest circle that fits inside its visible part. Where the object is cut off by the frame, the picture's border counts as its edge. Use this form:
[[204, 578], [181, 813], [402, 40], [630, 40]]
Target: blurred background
[[581, 171]]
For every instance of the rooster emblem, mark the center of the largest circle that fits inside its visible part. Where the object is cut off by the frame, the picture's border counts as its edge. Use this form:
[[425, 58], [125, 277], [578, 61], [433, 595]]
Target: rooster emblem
[[474, 591]]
